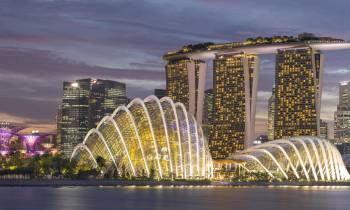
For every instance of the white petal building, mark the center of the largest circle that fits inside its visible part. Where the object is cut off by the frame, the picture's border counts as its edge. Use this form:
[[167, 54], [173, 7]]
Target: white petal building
[[146, 136], [299, 158]]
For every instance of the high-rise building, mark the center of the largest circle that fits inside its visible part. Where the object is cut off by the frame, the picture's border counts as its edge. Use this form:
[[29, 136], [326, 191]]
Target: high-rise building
[[271, 116], [342, 115], [58, 125], [323, 129], [105, 97], [235, 89], [208, 114], [84, 103], [208, 107], [185, 83], [75, 114], [297, 92], [160, 93]]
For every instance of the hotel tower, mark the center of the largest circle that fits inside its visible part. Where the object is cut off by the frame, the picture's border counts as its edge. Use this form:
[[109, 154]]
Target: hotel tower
[[295, 106], [235, 88], [297, 92]]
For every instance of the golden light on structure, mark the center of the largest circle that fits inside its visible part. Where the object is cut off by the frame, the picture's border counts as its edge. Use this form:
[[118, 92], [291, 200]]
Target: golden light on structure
[[147, 136], [299, 158]]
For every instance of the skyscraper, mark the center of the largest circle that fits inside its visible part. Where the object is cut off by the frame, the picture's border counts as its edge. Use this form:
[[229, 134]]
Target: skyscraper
[[74, 122], [298, 80], [105, 97], [185, 83], [84, 103], [235, 89], [271, 116], [342, 115]]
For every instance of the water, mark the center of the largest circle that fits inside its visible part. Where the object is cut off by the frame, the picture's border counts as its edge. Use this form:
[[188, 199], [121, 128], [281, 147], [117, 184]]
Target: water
[[105, 198]]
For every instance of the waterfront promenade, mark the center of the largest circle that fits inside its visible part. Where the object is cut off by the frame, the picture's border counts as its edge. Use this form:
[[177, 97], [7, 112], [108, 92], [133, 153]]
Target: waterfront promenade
[[141, 183]]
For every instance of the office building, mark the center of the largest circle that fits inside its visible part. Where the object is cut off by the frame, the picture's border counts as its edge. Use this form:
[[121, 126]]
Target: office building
[[85, 102], [342, 115], [105, 97]]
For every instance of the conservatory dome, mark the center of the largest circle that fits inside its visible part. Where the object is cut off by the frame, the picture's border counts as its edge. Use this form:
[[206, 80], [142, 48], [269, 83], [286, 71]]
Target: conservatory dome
[[150, 135], [298, 158]]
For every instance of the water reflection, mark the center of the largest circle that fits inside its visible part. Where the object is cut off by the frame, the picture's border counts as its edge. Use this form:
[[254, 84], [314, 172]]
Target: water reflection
[[173, 198]]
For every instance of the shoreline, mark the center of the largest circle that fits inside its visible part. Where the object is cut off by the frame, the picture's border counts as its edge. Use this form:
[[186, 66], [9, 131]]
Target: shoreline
[[145, 183]]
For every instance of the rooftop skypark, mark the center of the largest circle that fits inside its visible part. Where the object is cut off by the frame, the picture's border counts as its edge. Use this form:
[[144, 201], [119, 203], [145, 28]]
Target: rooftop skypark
[[258, 42]]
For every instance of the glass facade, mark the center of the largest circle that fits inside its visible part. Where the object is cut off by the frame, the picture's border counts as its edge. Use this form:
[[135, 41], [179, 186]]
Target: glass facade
[[85, 102], [342, 115]]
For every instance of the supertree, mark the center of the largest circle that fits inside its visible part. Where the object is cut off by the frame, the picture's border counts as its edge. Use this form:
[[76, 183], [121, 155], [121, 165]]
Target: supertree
[[7, 131], [31, 142]]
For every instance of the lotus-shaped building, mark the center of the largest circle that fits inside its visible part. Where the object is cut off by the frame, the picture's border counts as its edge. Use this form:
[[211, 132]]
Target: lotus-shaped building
[[298, 158], [149, 136]]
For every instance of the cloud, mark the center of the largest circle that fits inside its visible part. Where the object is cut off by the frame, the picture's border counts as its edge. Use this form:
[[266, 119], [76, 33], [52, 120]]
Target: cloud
[[342, 71], [29, 124], [31, 81], [44, 42]]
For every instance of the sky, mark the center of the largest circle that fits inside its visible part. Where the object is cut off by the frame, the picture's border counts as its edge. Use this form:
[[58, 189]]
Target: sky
[[46, 42]]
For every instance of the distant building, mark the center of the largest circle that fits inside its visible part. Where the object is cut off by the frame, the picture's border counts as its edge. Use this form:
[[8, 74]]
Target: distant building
[[323, 129], [343, 147], [271, 116], [160, 93], [105, 97], [208, 114], [235, 89], [342, 115], [58, 125], [260, 140], [85, 102], [297, 92]]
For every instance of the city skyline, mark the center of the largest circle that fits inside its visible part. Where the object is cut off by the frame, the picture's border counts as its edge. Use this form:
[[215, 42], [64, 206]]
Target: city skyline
[[38, 61]]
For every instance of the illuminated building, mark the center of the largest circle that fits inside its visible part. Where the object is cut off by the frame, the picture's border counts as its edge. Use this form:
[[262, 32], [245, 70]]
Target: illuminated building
[[300, 158], [298, 80], [342, 115], [74, 123], [207, 124], [185, 83], [298, 57], [235, 89], [84, 103], [160, 93], [271, 116], [148, 135]]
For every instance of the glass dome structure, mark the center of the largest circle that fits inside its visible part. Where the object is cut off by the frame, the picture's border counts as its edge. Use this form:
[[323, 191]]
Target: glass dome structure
[[298, 158], [149, 136]]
